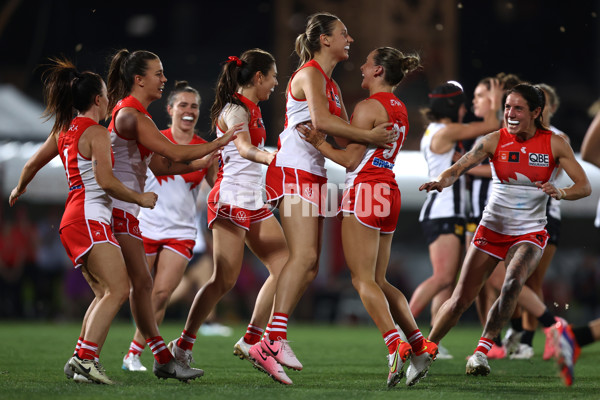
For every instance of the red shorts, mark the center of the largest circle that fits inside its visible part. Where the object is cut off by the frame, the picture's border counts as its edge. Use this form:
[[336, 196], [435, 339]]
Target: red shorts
[[79, 237], [375, 204], [497, 245], [183, 247], [284, 181], [237, 215], [125, 223]]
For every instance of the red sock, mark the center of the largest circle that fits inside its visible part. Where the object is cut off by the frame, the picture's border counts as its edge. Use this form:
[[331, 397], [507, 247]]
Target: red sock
[[186, 340], [253, 334], [161, 353], [267, 331], [484, 345], [136, 348], [78, 346], [88, 350], [392, 340], [416, 340], [279, 327]]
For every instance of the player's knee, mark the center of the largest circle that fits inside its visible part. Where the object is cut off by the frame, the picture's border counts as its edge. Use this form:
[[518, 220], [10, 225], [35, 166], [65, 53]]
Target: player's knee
[[141, 283], [306, 261], [160, 297], [121, 292], [361, 283], [512, 286]]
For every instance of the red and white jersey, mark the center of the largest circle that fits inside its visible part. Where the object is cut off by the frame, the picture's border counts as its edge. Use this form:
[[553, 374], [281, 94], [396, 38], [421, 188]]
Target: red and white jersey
[[516, 206], [377, 163], [295, 152], [86, 199], [174, 216], [239, 182], [131, 158]]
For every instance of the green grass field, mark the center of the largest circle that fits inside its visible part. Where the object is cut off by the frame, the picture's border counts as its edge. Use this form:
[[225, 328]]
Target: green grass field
[[340, 362]]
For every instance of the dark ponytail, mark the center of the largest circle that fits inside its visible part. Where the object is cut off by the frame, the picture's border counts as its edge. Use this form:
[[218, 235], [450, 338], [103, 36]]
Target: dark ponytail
[[238, 72], [124, 66], [67, 91], [395, 64]]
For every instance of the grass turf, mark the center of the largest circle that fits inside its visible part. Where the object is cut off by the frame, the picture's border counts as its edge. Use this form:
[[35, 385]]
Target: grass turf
[[340, 362]]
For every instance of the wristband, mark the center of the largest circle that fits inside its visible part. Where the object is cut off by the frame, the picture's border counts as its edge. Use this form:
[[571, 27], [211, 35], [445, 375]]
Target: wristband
[[563, 194]]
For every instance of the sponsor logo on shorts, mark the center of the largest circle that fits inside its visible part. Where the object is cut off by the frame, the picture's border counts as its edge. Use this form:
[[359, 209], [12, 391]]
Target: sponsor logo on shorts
[[539, 160], [459, 230], [480, 241], [241, 216], [308, 192]]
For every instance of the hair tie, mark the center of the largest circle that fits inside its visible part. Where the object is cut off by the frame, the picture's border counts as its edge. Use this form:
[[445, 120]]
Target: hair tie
[[234, 59]]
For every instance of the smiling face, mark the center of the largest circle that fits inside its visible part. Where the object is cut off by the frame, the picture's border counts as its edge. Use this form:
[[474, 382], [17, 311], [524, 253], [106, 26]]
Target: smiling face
[[153, 82], [265, 85], [185, 111], [339, 41], [369, 70], [517, 116]]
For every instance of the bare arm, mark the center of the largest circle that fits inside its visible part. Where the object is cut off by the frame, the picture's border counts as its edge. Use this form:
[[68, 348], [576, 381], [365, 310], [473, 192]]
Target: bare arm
[[99, 140], [238, 115], [366, 114], [211, 173], [347, 158], [563, 154], [485, 148], [590, 148], [135, 125], [160, 165], [481, 171], [43, 156], [445, 139], [308, 83]]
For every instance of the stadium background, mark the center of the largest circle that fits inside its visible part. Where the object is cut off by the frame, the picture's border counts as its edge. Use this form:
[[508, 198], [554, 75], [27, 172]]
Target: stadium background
[[541, 41]]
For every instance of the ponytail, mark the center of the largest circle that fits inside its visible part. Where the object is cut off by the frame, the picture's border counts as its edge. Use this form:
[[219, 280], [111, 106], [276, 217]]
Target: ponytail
[[303, 49], [124, 66], [238, 72], [395, 64], [309, 42], [66, 91]]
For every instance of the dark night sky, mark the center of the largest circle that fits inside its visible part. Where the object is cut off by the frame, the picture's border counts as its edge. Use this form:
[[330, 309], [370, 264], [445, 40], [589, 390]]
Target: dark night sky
[[541, 41]]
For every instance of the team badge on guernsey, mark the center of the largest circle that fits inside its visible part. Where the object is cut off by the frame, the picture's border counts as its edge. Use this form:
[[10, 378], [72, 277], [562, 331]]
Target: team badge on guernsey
[[509, 156]]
